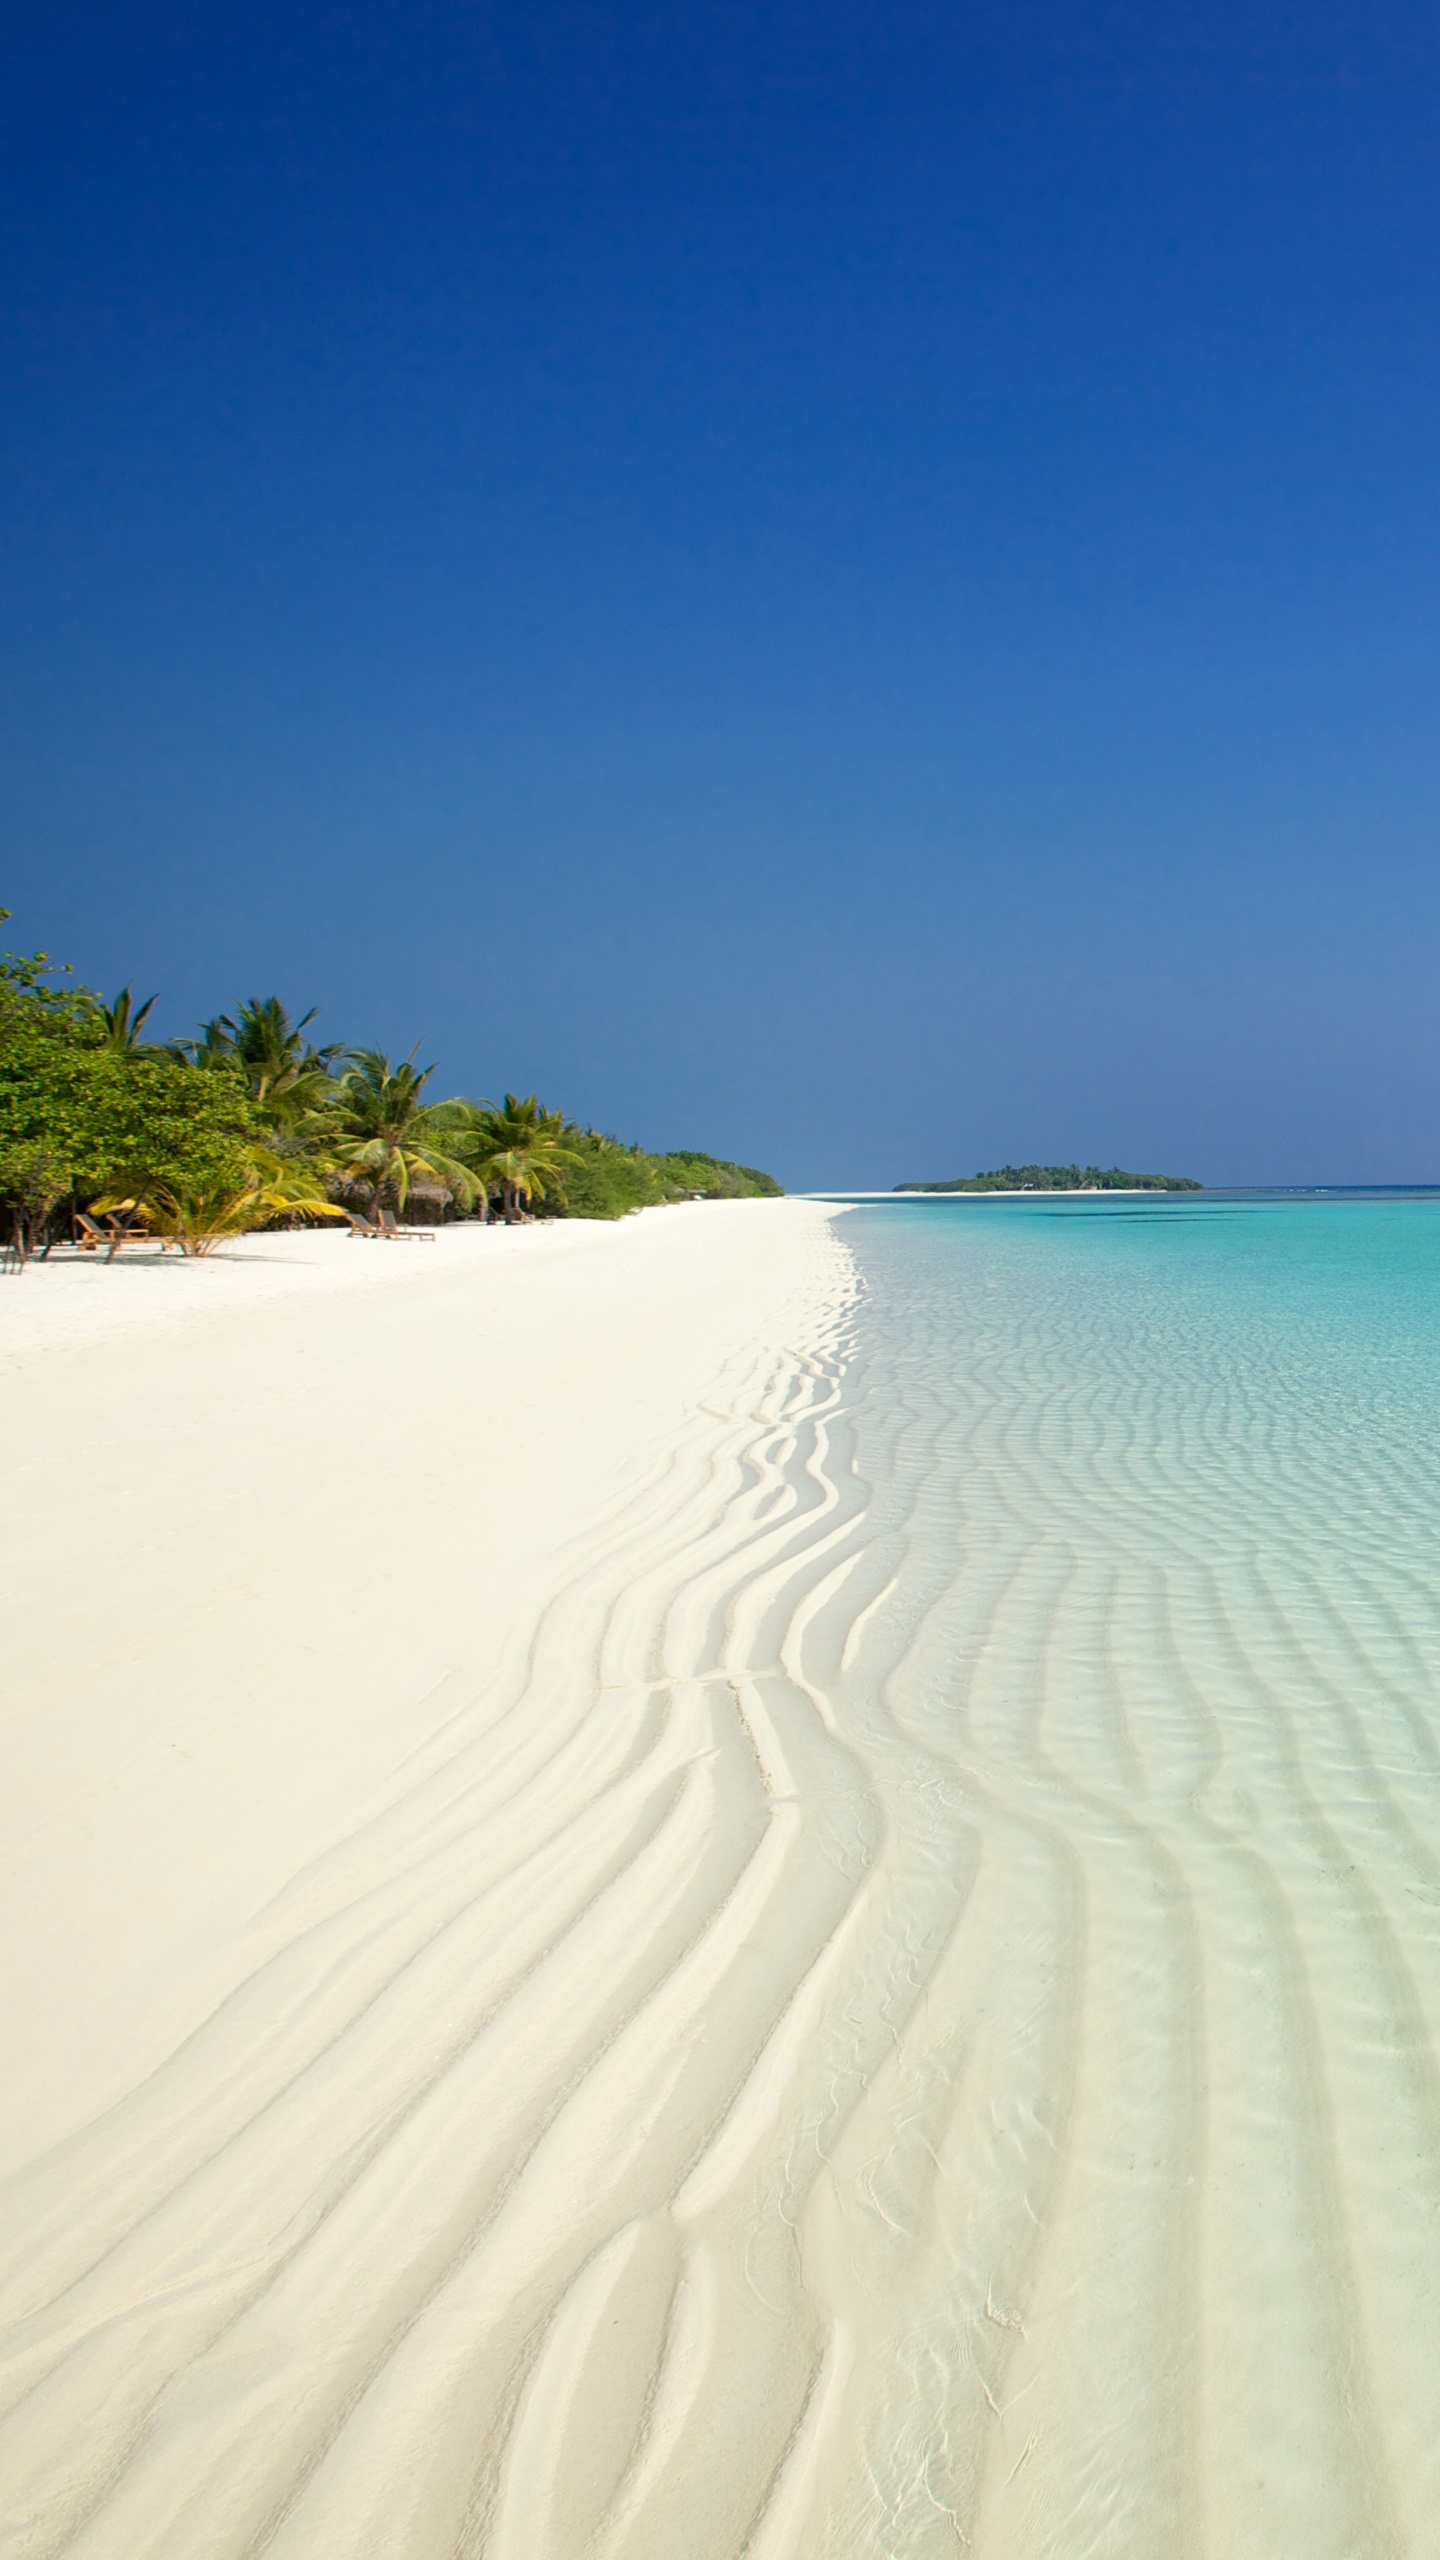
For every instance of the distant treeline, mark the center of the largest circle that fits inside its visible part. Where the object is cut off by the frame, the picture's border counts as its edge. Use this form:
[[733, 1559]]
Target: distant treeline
[[1058, 1177], [605, 1179], [248, 1124]]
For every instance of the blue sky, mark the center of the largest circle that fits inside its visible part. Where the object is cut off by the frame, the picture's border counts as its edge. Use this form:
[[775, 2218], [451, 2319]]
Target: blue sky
[[855, 587]]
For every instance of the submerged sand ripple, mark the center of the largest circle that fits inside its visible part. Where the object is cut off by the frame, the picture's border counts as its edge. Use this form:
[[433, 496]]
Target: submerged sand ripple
[[903, 2021]]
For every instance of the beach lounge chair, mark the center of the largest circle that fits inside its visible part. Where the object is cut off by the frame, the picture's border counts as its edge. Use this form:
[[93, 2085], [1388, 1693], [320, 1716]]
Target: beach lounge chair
[[404, 1235], [363, 1226], [91, 1235]]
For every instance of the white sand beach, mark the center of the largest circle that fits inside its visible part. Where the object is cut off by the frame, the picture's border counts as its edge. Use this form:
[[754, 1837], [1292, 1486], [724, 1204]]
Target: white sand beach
[[407, 1903]]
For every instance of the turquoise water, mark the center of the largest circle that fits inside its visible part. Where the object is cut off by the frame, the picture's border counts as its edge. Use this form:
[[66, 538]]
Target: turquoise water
[[1155, 1674]]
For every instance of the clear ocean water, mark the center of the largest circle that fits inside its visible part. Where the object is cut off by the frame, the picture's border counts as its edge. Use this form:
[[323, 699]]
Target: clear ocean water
[[1154, 1666]]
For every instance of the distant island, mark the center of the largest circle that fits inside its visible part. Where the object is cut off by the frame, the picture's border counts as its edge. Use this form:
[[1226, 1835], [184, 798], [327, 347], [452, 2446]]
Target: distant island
[[1058, 1177]]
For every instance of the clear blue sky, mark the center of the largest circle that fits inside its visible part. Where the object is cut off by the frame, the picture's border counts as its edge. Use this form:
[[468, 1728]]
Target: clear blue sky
[[852, 586]]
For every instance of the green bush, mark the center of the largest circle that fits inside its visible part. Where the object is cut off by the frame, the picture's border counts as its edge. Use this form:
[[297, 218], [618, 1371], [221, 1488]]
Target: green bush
[[607, 1180], [79, 1116], [716, 1179]]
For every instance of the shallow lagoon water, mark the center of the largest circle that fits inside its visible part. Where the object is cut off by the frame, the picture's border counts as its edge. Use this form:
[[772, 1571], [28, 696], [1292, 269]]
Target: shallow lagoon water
[[1159, 1485]]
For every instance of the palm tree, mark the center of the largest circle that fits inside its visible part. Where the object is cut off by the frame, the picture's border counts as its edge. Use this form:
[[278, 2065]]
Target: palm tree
[[197, 1219], [519, 1149], [124, 1022], [387, 1137], [285, 1076]]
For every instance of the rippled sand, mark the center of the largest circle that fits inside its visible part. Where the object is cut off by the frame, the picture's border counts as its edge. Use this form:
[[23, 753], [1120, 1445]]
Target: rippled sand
[[889, 2009]]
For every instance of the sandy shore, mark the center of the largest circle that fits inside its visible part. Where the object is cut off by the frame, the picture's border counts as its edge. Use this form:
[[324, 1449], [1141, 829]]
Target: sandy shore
[[395, 1913]]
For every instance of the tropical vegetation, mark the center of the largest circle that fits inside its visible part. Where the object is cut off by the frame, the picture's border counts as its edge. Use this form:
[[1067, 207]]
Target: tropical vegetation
[[250, 1124]]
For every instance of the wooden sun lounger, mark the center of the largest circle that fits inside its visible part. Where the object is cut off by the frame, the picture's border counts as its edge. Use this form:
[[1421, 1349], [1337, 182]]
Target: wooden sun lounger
[[109, 1236], [404, 1235]]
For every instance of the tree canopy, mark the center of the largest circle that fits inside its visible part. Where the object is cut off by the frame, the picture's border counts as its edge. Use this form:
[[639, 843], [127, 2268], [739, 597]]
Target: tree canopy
[[386, 1137], [249, 1122], [83, 1110]]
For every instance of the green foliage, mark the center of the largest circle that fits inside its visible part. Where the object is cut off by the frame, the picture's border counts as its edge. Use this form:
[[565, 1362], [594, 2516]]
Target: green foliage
[[80, 1113], [35, 1176], [286, 1078], [124, 1021], [385, 1137], [1059, 1177], [608, 1180], [521, 1152], [714, 1179], [249, 1122], [26, 994], [198, 1216], [77, 1115]]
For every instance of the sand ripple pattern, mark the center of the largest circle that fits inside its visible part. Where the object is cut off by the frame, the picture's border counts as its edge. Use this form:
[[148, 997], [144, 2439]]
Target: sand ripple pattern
[[904, 2023]]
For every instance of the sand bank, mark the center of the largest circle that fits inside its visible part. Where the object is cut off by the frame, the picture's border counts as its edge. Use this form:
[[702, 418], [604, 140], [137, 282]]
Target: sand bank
[[410, 1899]]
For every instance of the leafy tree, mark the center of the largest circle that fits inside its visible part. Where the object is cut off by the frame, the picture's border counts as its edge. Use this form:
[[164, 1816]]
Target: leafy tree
[[35, 1176], [714, 1178], [607, 1180], [80, 1114], [386, 1137], [25, 991]]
